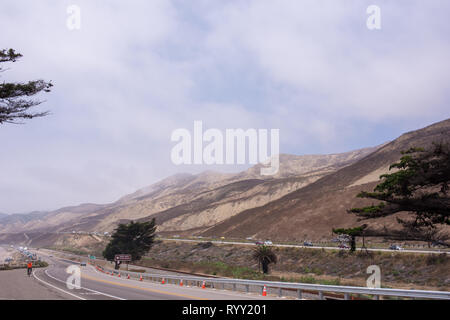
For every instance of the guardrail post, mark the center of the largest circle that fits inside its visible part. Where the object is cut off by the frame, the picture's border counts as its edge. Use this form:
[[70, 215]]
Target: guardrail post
[[299, 294], [280, 292], [376, 297], [247, 288], [234, 286], [346, 296], [320, 295]]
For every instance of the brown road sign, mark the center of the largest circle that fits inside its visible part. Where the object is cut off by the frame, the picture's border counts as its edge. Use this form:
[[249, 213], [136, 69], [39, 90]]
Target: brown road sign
[[122, 257]]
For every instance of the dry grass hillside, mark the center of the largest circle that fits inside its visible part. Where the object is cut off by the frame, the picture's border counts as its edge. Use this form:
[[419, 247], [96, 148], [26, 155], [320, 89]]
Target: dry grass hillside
[[312, 211], [305, 200], [188, 202], [399, 270]]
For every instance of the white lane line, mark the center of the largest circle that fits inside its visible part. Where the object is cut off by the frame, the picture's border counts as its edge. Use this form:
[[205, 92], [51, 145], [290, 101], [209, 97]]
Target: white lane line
[[50, 285], [91, 290]]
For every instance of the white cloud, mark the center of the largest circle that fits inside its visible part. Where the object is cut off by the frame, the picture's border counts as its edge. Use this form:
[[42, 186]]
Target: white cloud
[[136, 71]]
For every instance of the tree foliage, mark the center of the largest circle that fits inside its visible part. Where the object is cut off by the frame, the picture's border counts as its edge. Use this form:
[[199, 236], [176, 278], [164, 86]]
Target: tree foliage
[[15, 101], [265, 256], [134, 238], [419, 186]]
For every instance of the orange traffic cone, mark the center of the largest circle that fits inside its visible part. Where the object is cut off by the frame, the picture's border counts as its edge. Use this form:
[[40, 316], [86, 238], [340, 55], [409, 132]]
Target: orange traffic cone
[[264, 293], [163, 281], [140, 278], [203, 285], [181, 282]]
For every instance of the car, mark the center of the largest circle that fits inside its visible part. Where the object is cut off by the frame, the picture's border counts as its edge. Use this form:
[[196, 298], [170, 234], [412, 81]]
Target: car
[[268, 243], [83, 264], [307, 243], [344, 246], [259, 243], [395, 247]]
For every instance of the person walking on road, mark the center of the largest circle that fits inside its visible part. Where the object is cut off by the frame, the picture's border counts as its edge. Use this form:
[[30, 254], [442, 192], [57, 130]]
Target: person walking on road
[[29, 268]]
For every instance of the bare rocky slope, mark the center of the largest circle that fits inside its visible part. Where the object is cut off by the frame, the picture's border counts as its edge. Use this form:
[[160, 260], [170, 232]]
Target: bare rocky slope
[[312, 211], [305, 200], [186, 202]]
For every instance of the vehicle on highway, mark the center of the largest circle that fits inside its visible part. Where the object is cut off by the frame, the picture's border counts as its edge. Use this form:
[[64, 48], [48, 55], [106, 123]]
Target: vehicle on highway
[[83, 264], [307, 243], [395, 247], [343, 246], [268, 243], [259, 243]]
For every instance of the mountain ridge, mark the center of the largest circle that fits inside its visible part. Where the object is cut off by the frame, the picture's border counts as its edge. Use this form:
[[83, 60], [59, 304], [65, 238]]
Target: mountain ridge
[[183, 189]]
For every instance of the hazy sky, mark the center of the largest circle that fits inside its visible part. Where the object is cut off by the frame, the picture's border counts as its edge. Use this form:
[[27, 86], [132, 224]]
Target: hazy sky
[[137, 70]]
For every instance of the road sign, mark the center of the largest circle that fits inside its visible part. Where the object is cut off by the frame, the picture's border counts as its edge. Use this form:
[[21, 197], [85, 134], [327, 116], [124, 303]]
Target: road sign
[[122, 257]]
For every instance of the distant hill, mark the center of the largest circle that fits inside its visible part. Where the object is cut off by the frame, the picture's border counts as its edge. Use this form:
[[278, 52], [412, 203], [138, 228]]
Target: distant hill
[[312, 211], [186, 202], [305, 200]]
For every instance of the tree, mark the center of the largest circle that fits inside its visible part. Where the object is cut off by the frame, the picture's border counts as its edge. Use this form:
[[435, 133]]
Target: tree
[[14, 104], [352, 233], [419, 187], [134, 238], [265, 256]]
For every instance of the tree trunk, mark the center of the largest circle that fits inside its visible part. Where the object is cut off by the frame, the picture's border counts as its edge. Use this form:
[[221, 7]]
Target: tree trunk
[[353, 244], [117, 264], [265, 267]]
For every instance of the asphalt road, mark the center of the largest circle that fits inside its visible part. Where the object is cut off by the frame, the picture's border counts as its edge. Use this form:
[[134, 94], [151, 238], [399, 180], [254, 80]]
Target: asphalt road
[[16, 285], [99, 286], [309, 247]]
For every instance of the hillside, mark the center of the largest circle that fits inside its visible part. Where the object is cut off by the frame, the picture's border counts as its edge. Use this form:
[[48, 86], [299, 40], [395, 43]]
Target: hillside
[[305, 200], [188, 202], [311, 212]]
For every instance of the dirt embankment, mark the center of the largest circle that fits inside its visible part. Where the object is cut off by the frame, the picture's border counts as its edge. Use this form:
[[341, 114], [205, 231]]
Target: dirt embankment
[[400, 270]]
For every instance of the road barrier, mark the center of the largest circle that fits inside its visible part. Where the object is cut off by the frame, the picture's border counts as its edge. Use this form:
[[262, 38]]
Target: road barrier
[[345, 292]]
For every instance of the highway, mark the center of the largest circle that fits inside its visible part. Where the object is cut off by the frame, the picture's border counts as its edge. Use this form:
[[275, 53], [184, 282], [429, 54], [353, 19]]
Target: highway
[[307, 247], [99, 286]]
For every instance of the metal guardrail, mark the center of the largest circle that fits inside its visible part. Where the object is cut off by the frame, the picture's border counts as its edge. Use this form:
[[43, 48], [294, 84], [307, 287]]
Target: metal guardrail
[[299, 287]]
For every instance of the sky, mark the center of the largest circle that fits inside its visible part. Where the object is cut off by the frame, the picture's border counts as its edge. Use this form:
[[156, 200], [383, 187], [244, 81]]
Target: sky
[[135, 71]]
